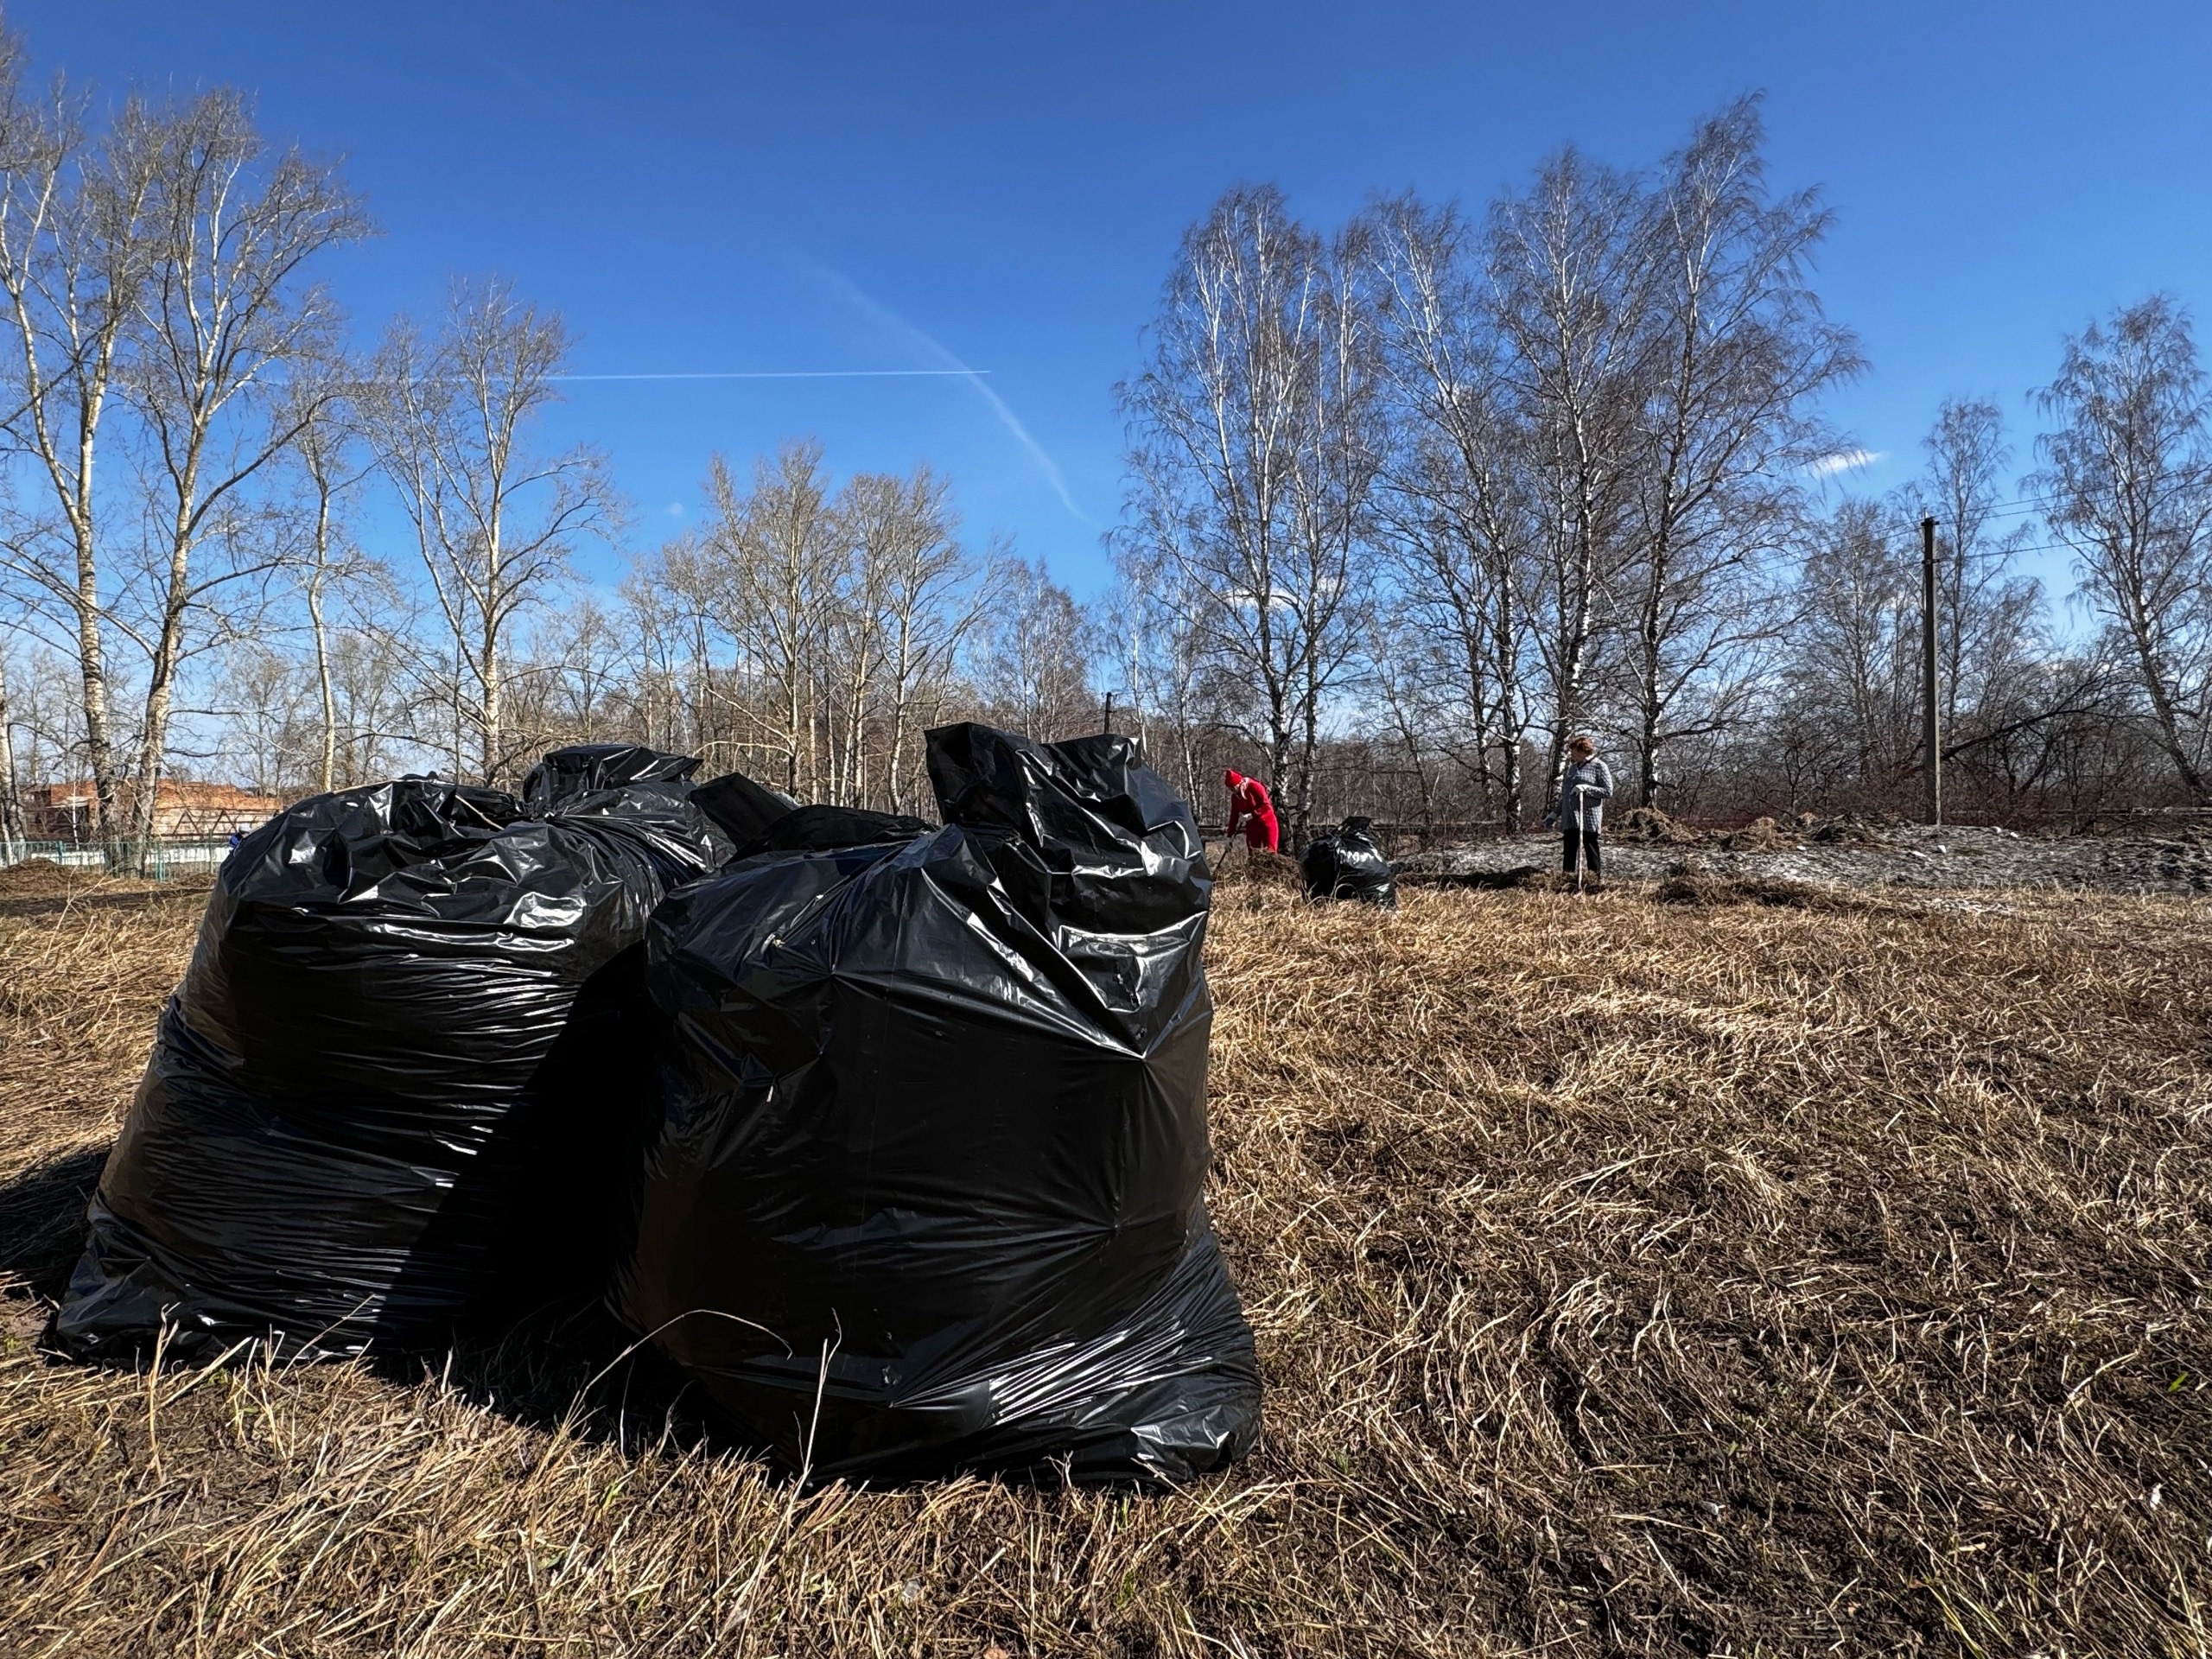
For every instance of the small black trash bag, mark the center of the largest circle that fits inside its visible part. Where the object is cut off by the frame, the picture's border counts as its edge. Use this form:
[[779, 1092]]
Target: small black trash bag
[[402, 1074], [924, 1196], [758, 819], [1349, 864], [588, 768]]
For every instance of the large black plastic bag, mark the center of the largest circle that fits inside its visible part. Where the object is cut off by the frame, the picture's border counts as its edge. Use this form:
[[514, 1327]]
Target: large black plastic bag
[[1349, 863], [401, 1074], [926, 1192]]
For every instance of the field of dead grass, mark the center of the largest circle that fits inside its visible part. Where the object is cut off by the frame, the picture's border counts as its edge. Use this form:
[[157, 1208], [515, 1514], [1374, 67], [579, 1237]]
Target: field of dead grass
[[1629, 1277]]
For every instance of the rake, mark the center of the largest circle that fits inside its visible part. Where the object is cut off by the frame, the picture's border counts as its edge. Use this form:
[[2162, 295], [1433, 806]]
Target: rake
[[1581, 790]]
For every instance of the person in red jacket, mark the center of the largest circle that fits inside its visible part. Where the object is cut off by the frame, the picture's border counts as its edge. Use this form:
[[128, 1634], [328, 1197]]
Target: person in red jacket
[[1253, 809]]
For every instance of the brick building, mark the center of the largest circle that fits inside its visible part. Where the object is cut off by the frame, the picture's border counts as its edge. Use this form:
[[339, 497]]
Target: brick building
[[182, 811]]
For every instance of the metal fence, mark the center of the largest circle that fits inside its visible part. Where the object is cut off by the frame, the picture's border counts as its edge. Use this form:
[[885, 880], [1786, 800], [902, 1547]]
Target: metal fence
[[165, 860]]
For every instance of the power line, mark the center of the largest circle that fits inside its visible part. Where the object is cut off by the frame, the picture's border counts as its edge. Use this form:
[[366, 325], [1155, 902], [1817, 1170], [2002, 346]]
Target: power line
[[2023, 506]]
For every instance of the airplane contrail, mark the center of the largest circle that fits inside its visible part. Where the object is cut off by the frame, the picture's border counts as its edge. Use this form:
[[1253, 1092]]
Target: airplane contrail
[[853, 294], [779, 374]]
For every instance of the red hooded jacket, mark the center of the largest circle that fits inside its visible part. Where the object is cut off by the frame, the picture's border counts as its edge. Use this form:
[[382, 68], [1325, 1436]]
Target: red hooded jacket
[[1252, 809]]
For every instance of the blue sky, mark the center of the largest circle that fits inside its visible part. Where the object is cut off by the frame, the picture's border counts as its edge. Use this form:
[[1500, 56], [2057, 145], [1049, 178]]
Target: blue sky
[[707, 187]]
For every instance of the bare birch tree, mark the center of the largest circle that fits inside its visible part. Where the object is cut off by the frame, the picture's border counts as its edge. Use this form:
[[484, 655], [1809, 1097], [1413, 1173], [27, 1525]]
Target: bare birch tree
[[690, 692], [224, 310], [1244, 467], [1573, 289], [1160, 651], [1038, 653], [2127, 482], [1332, 520], [76, 246], [12, 831], [494, 520], [1855, 680], [1988, 638], [1456, 502], [326, 456], [776, 546], [920, 585], [817, 626], [1737, 352], [376, 674]]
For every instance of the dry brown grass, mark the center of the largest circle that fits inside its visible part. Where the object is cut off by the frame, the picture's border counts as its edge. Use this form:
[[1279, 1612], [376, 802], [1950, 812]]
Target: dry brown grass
[[1629, 1279]]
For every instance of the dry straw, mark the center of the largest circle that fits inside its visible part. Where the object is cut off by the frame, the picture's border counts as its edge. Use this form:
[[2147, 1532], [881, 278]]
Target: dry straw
[[1629, 1279]]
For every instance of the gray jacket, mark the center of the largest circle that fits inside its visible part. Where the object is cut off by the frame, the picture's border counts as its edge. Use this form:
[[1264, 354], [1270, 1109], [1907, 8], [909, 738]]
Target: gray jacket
[[1595, 778]]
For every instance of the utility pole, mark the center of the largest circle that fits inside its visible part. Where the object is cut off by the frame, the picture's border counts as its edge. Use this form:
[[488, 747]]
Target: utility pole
[[1931, 725]]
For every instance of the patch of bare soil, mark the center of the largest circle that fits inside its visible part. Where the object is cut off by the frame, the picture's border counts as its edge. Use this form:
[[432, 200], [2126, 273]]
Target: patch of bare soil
[[135, 896], [1527, 877], [1649, 824], [38, 885], [1852, 852], [1759, 835], [40, 878], [1687, 886]]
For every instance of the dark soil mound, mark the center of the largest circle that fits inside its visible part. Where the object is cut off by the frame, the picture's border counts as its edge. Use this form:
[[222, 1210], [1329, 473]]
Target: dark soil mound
[[1691, 888], [1270, 870], [1531, 876], [1759, 835], [38, 878], [1846, 831], [1649, 824]]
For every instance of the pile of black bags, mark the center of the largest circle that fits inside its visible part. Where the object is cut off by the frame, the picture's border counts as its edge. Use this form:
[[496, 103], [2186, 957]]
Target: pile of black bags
[[1349, 863], [399, 1083], [893, 1135], [924, 1192]]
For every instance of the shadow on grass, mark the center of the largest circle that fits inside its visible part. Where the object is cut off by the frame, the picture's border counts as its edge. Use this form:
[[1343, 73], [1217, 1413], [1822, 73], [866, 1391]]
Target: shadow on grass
[[565, 1361], [42, 1222], [572, 1365], [568, 1362]]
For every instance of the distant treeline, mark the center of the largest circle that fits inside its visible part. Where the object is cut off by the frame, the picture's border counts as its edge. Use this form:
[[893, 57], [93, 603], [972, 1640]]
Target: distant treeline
[[1408, 503], [1455, 485]]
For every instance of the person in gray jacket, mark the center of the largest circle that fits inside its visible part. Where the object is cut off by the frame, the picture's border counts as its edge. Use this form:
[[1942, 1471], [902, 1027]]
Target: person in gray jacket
[[1583, 813]]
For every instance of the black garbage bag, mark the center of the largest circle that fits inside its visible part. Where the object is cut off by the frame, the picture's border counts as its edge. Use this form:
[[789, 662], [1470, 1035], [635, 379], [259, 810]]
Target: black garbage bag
[[926, 1192], [1348, 863], [758, 819], [744, 810], [403, 1077], [586, 768]]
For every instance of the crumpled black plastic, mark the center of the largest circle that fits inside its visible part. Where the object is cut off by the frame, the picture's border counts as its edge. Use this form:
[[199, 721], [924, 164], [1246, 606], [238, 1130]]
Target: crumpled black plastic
[[403, 1076], [588, 768], [1349, 863], [760, 820], [924, 1195], [744, 810]]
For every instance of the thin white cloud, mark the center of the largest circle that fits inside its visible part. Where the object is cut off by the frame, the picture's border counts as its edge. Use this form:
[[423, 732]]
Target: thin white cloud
[[1844, 460], [851, 293]]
